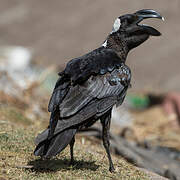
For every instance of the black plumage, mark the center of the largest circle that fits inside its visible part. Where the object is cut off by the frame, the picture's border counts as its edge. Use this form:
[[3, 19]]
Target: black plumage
[[91, 85]]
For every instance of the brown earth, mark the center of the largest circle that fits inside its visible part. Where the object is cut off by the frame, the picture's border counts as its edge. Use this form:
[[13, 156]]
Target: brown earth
[[60, 30]]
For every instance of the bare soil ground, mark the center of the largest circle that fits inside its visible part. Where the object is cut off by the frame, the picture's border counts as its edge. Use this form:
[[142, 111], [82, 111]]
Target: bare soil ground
[[152, 125], [60, 30]]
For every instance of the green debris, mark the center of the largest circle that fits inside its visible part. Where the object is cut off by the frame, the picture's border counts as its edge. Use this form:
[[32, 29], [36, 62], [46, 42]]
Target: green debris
[[138, 101]]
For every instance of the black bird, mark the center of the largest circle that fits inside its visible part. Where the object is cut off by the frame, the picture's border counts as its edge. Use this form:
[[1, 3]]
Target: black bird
[[92, 84]]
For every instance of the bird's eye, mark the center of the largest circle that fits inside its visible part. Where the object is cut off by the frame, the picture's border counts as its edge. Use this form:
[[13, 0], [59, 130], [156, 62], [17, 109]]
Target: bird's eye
[[130, 19]]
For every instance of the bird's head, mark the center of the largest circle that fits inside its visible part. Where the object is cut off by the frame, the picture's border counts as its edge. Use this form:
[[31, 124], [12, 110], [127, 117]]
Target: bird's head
[[127, 28]]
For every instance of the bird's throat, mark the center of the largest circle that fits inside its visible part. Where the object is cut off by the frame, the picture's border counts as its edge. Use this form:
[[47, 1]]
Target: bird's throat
[[119, 45]]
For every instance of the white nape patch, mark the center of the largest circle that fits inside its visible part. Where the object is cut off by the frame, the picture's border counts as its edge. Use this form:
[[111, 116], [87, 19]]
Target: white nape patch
[[116, 26], [104, 44]]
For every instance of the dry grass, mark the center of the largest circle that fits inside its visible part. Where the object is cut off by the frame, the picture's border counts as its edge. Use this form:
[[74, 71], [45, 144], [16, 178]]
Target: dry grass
[[153, 126], [18, 162]]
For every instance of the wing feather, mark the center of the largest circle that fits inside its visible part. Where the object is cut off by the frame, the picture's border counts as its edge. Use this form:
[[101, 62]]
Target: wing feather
[[90, 100], [96, 87], [99, 61], [78, 70], [60, 91], [96, 75]]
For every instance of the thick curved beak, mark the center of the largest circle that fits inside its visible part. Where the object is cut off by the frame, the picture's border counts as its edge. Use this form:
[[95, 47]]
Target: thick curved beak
[[145, 14], [148, 13]]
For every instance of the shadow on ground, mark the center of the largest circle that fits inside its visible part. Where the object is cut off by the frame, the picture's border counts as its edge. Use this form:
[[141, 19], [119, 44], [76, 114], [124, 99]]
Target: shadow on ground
[[40, 165]]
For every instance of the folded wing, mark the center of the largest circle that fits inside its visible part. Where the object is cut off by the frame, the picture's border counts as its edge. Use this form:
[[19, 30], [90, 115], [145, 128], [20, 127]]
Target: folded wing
[[78, 70]]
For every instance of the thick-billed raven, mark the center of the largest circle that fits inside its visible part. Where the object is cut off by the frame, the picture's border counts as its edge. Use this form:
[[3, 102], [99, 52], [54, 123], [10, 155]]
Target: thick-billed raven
[[92, 84]]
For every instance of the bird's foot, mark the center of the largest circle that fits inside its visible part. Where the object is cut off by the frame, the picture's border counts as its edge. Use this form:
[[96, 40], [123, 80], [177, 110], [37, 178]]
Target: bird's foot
[[44, 158], [72, 162], [112, 169]]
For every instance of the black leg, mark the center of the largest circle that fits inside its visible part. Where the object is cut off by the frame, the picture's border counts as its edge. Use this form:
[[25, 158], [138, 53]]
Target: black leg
[[71, 150], [106, 120]]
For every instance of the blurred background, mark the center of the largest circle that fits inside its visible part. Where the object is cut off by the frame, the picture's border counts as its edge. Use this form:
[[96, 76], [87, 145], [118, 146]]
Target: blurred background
[[62, 30], [38, 38]]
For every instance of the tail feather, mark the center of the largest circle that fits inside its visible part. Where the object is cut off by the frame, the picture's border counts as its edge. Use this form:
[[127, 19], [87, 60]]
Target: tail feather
[[42, 136], [53, 146]]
